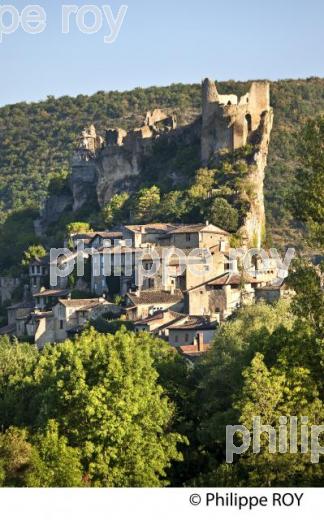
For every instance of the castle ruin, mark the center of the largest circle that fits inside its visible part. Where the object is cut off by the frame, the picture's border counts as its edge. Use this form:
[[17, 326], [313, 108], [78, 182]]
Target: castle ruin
[[103, 167], [229, 122]]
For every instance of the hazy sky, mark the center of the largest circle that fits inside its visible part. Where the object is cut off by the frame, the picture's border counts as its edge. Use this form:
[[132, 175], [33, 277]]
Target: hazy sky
[[162, 42]]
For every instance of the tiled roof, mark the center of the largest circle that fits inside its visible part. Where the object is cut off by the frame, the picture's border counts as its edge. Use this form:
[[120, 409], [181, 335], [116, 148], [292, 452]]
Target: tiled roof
[[53, 292], [151, 297], [84, 303], [174, 316], [226, 279], [151, 228], [108, 234], [195, 323], [196, 228]]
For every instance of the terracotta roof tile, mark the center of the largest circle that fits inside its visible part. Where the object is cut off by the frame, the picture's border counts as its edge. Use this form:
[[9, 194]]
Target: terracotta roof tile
[[151, 297]]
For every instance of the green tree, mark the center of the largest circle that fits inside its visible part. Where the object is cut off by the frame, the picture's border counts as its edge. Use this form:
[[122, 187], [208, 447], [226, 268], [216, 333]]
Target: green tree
[[54, 463], [33, 252], [309, 191], [78, 227], [58, 182], [204, 182], [114, 211], [222, 214], [146, 204], [173, 206], [41, 460], [110, 385]]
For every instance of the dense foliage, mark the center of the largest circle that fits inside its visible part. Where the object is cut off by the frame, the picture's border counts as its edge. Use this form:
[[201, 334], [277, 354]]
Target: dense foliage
[[93, 406]]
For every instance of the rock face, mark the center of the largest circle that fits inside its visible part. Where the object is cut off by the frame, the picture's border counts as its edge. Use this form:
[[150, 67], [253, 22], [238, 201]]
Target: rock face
[[103, 167], [54, 207], [111, 168], [253, 230]]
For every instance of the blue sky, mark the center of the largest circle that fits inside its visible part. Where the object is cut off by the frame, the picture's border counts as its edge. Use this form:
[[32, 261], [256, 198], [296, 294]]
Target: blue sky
[[163, 42]]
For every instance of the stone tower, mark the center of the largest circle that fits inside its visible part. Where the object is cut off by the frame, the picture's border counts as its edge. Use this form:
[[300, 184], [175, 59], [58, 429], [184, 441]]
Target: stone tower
[[227, 122]]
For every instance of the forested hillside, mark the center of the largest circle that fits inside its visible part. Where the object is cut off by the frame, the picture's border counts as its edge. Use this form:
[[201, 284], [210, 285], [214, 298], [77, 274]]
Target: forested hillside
[[37, 139]]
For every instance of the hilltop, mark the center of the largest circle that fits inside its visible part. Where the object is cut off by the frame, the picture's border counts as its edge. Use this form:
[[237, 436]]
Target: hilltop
[[37, 141]]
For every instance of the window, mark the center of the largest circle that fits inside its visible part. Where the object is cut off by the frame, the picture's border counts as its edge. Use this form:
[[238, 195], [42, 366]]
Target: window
[[176, 339], [248, 120], [61, 324], [187, 337], [188, 237]]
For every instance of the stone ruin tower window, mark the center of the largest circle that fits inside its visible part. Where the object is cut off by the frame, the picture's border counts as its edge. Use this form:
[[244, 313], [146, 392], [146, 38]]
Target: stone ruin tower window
[[248, 120]]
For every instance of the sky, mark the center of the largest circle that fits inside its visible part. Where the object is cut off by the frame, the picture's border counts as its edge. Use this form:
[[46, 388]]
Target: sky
[[160, 42]]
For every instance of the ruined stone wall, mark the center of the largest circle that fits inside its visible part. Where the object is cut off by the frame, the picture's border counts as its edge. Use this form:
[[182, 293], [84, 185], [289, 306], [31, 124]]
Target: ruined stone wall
[[226, 121]]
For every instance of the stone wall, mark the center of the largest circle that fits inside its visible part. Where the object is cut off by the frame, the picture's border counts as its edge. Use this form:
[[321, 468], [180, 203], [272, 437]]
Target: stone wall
[[228, 122]]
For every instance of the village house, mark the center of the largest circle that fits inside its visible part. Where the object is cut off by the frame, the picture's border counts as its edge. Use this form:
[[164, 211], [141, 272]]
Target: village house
[[159, 322], [141, 304], [47, 298], [66, 318], [39, 269], [221, 296], [185, 333], [141, 235], [192, 236], [273, 293]]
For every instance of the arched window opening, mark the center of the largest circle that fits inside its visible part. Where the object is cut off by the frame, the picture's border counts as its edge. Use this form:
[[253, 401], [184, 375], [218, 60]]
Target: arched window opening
[[248, 119]]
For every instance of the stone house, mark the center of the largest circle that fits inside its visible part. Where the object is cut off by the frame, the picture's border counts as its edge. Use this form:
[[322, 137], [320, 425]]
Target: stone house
[[66, 318], [141, 304], [39, 270], [17, 317], [196, 349], [47, 298], [192, 236], [221, 296], [143, 234], [186, 333], [273, 293], [159, 322]]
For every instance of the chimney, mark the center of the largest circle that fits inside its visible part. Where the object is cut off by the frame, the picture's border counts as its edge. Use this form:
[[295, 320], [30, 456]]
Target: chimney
[[200, 341], [207, 222]]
